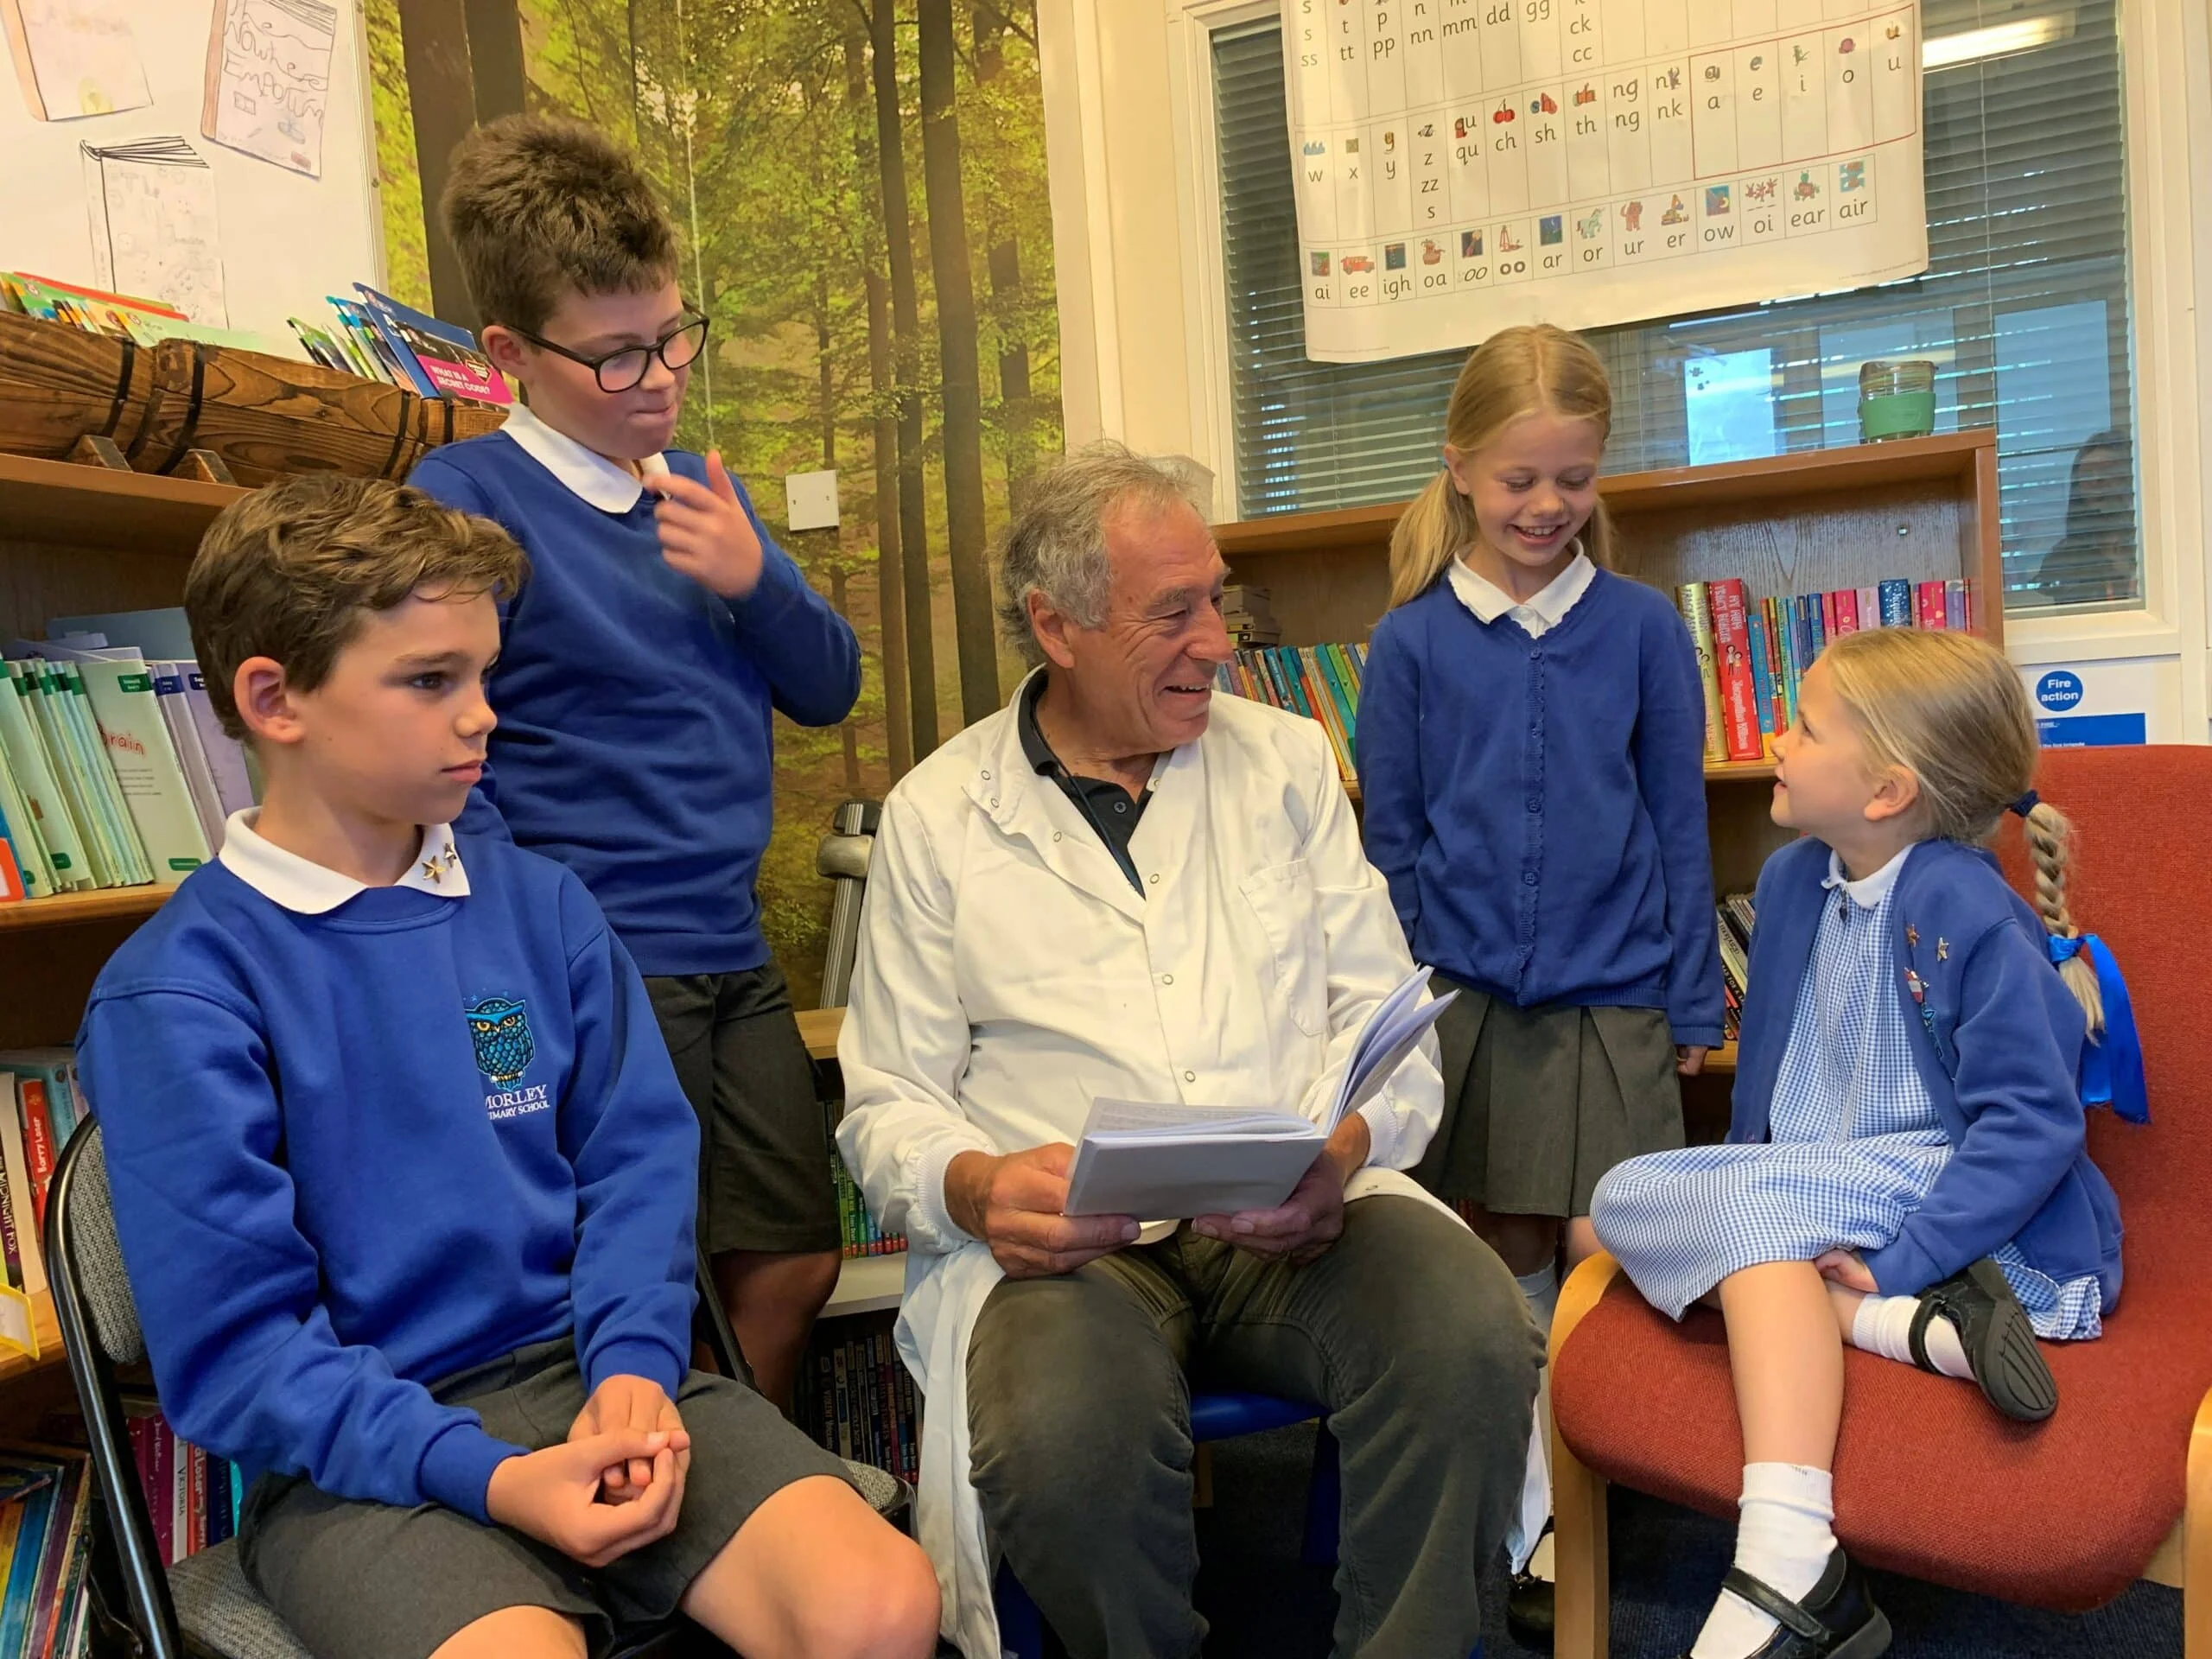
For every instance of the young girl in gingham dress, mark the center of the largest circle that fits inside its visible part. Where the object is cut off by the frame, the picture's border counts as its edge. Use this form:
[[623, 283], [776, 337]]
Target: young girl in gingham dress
[[1904, 1171]]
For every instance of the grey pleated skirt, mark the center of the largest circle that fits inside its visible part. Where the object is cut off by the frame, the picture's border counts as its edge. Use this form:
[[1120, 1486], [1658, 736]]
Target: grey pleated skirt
[[1540, 1103]]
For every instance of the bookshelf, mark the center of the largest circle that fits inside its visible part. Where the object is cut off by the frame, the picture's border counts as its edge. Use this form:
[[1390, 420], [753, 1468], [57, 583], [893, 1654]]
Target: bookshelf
[[1919, 508]]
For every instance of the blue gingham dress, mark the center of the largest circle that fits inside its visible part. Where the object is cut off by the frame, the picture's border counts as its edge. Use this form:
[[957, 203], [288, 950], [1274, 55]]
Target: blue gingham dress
[[1855, 1144]]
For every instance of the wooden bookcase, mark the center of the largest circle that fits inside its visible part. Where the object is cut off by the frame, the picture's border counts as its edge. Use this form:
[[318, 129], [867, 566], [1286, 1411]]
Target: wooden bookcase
[[1919, 508], [75, 539]]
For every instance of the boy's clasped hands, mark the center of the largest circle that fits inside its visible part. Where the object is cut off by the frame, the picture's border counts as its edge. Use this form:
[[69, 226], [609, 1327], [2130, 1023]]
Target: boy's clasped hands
[[614, 1486]]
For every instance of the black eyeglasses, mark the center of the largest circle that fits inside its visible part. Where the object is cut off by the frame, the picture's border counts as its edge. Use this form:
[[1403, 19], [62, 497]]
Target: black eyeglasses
[[624, 370]]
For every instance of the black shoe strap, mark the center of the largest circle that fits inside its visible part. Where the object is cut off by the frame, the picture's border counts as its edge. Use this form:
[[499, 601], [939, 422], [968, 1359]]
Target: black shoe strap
[[1776, 1605], [1931, 1308]]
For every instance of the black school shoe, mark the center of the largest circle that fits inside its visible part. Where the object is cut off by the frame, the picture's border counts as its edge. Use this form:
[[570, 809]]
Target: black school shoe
[[1529, 1611], [1838, 1618], [1999, 1342]]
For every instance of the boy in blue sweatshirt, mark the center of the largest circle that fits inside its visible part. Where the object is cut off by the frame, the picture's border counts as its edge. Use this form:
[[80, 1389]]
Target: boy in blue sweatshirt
[[403, 1178], [638, 672]]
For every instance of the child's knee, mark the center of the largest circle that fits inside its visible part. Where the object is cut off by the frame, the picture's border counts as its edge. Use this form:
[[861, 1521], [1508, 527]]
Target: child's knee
[[890, 1613]]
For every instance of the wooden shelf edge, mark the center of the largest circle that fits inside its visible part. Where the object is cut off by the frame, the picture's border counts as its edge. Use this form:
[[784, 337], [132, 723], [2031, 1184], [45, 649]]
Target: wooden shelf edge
[[64, 501], [868, 1284], [818, 1028], [99, 905], [1721, 1059], [1946, 454]]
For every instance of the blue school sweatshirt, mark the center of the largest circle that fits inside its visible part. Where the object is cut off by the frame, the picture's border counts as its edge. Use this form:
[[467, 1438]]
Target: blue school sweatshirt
[[1997, 1042], [635, 742], [354, 1152], [1538, 805]]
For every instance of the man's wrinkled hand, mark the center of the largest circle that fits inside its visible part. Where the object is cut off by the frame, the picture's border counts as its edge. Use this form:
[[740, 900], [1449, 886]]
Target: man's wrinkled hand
[[1014, 1204], [1303, 1226]]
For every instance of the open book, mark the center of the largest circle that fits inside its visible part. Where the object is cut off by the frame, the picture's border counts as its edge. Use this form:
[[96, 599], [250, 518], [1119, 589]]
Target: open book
[[1163, 1161]]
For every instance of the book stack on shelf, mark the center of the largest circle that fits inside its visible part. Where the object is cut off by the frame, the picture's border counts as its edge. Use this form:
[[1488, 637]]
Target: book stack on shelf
[[858, 1229], [114, 770], [1754, 655], [121, 316], [46, 1499], [192, 1498], [1249, 615], [39, 1109], [1735, 917], [862, 1403], [1320, 682]]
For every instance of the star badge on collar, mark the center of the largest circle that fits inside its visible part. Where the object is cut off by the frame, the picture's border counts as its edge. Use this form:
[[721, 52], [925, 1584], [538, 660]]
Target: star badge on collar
[[1942, 949], [1912, 936]]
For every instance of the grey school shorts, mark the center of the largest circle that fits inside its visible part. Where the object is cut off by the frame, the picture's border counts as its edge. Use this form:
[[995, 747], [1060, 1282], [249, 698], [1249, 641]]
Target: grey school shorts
[[764, 1144], [361, 1580]]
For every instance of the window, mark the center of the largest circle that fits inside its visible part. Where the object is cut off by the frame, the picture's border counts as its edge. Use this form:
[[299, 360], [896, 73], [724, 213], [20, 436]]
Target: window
[[2023, 308]]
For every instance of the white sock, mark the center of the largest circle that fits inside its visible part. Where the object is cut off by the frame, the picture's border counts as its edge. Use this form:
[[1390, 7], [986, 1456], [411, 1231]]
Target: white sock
[[1883, 1326], [1785, 1539], [1541, 1290]]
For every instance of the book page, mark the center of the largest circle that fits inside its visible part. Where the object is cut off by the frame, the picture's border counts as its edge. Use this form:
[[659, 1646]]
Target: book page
[[75, 57], [155, 227], [269, 79]]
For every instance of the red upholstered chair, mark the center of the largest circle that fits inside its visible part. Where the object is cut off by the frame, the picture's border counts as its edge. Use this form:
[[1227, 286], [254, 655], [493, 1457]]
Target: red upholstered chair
[[1929, 1480]]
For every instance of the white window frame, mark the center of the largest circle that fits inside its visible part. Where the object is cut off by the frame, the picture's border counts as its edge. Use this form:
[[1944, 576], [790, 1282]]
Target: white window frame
[[2166, 55]]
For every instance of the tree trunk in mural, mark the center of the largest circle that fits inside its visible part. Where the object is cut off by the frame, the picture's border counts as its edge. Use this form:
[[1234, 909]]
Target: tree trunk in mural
[[991, 27], [898, 717], [963, 389], [906, 329]]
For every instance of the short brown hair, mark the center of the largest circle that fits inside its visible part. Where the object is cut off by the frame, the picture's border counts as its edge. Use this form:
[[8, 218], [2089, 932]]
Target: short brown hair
[[539, 206], [291, 571]]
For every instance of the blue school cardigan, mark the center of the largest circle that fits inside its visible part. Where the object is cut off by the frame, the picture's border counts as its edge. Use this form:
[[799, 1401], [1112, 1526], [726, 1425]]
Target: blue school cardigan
[[1997, 1042]]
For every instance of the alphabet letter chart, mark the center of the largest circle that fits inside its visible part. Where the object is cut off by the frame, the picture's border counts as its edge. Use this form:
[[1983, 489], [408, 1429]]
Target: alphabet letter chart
[[1464, 165]]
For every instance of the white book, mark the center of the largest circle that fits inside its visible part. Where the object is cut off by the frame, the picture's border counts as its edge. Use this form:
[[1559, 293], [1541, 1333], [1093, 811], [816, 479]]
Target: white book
[[122, 831], [148, 773], [226, 755], [27, 758], [184, 734], [23, 836], [1162, 1160]]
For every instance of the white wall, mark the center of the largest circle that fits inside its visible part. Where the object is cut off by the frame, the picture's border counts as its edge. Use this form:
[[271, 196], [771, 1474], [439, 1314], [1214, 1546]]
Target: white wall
[[1143, 332], [287, 239]]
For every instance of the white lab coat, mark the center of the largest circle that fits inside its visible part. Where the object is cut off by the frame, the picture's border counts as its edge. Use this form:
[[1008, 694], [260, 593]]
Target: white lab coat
[[1008, 973]]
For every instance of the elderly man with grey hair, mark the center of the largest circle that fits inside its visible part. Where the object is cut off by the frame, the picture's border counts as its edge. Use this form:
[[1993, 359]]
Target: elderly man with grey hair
[[1124, 886]]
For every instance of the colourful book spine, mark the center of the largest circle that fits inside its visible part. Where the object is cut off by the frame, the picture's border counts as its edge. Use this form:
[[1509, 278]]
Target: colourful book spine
[[1324, 663], [1731, 650], [1931, 606], [1828, 617], [1778, 662], [161, 1494], [1958, 605], [1846, 611], [38, 1145], [1691, 599], [17, 1607], [1348, 678], [1896, 603], [1869, 607], [1762, 678], [1817, 619]]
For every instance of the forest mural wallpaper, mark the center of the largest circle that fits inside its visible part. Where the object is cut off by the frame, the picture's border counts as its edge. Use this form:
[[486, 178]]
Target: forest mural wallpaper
[[860, 185]]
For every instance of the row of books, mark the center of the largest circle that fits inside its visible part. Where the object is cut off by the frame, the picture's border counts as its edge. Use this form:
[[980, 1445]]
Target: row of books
[[122, 316], [1320, 682], [378, 339], [46, 1499], [862, 1405], [114, 770], [1753, 656], [858, 1229], [1735, 918], [40, 1105], [193, 1497]]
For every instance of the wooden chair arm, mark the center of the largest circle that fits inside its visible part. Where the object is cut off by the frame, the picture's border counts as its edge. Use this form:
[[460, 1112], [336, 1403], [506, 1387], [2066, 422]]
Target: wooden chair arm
[[2196, 1539], [1587, 1283]]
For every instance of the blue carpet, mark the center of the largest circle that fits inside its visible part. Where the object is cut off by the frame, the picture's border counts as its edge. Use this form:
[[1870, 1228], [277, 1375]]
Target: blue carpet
[[1263, 1604]]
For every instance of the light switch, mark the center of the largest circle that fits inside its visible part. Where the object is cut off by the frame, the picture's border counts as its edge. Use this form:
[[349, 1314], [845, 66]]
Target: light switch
[[810, 501]]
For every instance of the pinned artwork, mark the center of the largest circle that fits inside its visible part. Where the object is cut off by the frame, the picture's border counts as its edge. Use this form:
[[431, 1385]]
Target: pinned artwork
[[155, 224], [1777, 151], [268, 80], [74, 58]]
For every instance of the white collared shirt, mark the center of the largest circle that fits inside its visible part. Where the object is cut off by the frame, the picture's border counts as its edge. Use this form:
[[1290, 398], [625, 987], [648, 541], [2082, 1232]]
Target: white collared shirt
[[1869, 890], [307, 888], [589, 475], [1536, 616]]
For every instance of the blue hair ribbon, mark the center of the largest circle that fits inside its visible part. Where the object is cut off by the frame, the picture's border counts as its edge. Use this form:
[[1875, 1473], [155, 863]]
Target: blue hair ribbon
[[2112, 1066]]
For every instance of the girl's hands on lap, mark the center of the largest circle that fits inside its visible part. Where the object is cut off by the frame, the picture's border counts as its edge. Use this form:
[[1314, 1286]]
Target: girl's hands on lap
[[1845, 1268]]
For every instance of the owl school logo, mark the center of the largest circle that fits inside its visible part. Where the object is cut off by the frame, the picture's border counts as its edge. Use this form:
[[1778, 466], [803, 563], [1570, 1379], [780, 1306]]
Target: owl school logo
[[498, 1027]]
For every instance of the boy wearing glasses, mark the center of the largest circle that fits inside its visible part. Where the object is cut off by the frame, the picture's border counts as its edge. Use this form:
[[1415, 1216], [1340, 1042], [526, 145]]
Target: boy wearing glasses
[[637, 671]]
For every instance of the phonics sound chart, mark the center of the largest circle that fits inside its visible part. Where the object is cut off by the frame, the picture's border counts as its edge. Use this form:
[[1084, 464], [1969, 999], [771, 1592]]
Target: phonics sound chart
[[1464, 165]]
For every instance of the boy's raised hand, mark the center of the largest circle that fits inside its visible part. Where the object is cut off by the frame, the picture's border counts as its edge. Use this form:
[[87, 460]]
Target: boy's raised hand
[[705, 532], [629, 1402], [553, 1494]]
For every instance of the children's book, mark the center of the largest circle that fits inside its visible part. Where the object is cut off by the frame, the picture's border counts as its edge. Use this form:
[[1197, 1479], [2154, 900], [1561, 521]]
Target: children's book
[[442, 360], [55, 744], [28, 1250], [149, 773], [184, 736], [226, 757], [32, 773], [49, 1069]]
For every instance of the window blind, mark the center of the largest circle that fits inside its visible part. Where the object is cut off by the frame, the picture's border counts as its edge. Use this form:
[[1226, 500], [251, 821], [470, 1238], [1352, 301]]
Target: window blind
[[2023, 308]]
